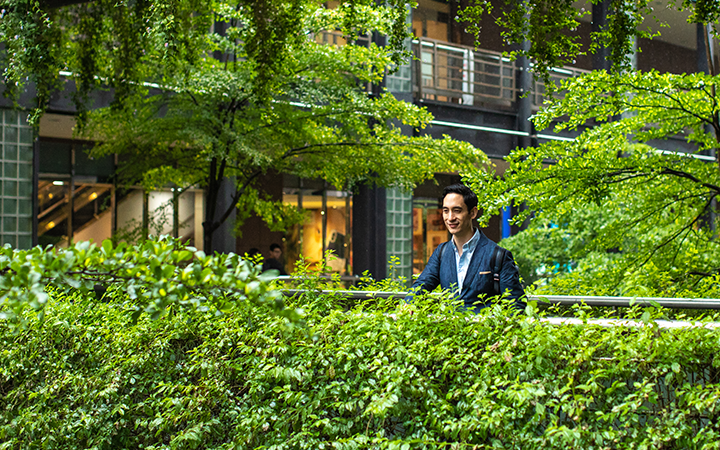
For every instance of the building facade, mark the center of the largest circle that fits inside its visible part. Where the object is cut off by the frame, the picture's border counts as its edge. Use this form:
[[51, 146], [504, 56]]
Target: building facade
[[53, 193]]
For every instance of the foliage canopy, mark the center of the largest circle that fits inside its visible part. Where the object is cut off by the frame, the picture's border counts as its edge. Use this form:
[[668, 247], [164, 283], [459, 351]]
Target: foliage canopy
[[207, 92], [550, 27], [624, 208], [649, 207], [155, 275]]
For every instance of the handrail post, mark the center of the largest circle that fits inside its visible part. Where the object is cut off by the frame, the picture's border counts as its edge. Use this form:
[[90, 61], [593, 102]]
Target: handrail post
[[418, 69]]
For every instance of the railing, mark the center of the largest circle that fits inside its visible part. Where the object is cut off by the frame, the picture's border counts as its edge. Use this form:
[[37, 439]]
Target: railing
[[55, 200], [348, 280], [469, 76], [557, 75], [566, 300], [463, 75], [459, 74]]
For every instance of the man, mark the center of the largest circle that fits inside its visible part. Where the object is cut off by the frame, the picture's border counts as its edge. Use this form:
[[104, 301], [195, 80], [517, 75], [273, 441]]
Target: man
[[463, 264], [275, 259]]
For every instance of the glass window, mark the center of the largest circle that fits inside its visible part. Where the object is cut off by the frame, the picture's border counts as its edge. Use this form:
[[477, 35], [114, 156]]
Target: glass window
[[327, 227], [428, 231]]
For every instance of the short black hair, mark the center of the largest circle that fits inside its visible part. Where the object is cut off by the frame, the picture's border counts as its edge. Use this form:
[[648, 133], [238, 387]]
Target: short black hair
[[469, 197], [274, 245]]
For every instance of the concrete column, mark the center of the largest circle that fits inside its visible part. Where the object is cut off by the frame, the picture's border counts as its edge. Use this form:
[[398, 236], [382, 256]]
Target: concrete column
[[224, 237], [35, 186], [198, 219], [705, 64], [704, 52]]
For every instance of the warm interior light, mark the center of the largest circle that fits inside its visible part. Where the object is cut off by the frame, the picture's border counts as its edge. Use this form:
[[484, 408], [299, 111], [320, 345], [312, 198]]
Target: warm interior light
[[50, 196], [93, 196], [50, 225]]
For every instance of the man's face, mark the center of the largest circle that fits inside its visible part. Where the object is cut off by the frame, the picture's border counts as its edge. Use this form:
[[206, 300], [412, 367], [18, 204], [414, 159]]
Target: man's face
[[456, 216], [276, 253]]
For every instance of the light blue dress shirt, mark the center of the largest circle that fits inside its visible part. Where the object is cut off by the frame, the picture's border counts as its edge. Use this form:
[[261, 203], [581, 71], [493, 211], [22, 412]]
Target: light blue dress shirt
[[462, 262]]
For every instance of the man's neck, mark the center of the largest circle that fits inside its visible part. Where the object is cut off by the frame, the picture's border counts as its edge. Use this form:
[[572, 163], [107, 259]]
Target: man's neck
[[460, 240]]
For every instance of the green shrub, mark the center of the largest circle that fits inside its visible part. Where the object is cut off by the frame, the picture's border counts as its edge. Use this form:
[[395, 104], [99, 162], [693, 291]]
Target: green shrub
[[154, 275], [87, 376]]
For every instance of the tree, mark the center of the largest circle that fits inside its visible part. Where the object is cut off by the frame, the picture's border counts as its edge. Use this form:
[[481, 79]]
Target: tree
[[612, 213], [658, 208], [257, 93], [549, 27]]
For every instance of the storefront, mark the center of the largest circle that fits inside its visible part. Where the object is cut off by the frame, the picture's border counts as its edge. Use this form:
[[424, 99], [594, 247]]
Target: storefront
[[428, 231], [78, 201], [328, 226]]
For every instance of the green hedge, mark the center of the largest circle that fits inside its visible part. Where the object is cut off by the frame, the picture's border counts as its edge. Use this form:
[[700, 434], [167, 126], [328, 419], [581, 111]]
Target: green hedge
[[87, 376]]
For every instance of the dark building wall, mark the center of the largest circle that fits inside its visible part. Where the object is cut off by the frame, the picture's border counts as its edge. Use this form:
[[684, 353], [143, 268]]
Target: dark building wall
[[585, 61], [369, 231], [492, 143], [665, 58], [490, 37]]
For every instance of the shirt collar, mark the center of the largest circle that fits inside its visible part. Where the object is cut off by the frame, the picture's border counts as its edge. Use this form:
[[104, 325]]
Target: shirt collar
[[471, 244]]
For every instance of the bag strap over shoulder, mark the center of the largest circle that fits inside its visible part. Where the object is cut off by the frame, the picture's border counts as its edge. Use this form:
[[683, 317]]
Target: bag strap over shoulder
[[496, 264], [444, 247], [442, 253]]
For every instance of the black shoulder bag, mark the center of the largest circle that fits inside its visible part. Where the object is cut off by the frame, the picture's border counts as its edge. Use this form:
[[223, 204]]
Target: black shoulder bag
[[495, 265]]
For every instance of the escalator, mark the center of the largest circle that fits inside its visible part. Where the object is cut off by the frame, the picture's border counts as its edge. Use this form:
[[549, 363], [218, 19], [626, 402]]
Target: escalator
[[62, 214], [87, 214]]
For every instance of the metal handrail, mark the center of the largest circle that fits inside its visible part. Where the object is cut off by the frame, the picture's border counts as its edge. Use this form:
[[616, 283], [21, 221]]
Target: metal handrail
[[449, 72], [345, 278], [565, 300], [670, 303], [463, 74]]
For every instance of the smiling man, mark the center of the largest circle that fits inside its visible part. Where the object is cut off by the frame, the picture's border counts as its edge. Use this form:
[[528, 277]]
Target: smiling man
[[470, 264]]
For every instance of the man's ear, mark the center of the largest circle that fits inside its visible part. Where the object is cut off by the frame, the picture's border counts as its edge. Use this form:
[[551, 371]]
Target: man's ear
[[474, 213]]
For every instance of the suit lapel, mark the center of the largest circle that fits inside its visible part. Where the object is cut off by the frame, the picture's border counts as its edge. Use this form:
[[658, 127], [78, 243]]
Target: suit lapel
[[449, 264]]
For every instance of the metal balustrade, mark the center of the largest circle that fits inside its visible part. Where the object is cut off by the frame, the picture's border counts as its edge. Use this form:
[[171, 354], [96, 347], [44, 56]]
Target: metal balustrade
[[460, 74], [469, 76], [463, 75], [565, 300]]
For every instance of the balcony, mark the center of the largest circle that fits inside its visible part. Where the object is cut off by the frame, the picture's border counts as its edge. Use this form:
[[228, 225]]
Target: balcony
[[463, 75]]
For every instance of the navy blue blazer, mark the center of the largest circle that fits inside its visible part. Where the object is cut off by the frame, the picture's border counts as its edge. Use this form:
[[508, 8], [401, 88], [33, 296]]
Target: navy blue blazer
[[441, 270]]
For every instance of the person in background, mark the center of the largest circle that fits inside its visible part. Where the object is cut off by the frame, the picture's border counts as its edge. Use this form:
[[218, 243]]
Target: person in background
[[275, 259]]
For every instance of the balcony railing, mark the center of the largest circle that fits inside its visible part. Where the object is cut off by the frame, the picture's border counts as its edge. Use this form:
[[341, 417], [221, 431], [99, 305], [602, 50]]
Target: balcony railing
[[462, 75], [469, 76], [458, 74]]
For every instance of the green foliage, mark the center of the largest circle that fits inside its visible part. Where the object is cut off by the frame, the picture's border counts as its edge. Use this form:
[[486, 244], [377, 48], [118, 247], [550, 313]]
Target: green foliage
[[643, 219], [426, 378], [155, 276], [277, 215], [550, 27], [29, 52], [114, 43], [210, 91], [264, 98], [545, 250], [393, 283]]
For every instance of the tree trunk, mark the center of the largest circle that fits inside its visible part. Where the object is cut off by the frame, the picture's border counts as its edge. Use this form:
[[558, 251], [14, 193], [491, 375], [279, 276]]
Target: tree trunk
[[211, 194]]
